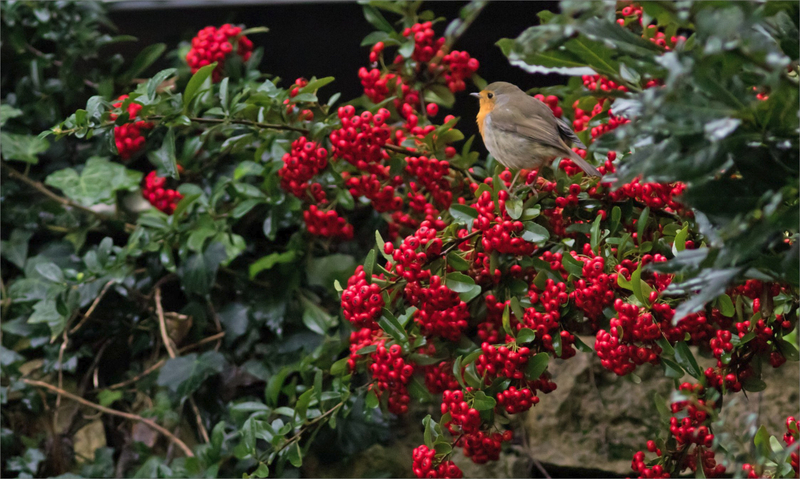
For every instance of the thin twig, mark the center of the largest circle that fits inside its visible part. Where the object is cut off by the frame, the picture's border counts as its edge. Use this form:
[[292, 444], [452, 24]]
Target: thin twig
[[138, 376], [541, 468], [163, 325], [268, 126], [161, 362], [63, 201], [199, 418], [133, 417], [92, 307]]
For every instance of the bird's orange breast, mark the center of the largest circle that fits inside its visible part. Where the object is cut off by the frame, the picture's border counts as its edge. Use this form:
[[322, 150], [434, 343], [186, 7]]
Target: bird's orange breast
[[485, 109]]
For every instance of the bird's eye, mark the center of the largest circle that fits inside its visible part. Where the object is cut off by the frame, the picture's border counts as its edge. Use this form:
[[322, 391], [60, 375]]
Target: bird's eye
[[490, 95]]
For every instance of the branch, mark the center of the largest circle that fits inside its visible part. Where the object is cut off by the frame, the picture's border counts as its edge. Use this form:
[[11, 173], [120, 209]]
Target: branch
[[163, 326], [38, 186], [267, 126], [133, 417]]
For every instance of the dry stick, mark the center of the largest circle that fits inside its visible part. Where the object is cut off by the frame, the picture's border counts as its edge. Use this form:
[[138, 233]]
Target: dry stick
[[92, 307], [171, 351], [133, 417], [63, 201], [161, 362], [163, 325]]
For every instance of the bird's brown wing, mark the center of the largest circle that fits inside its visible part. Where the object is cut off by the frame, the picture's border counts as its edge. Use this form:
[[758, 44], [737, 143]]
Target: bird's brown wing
[[531, 119], [568, 135]]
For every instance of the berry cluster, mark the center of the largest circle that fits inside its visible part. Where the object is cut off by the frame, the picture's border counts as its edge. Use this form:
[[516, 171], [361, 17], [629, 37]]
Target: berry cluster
[[361, 301], [464, 419], [431, 174], [545, 315], [164, 199], [327, 223], [692, 435], [506, 360], [291, 106], [515, 401], [498, 228], [425, 43], [425, 464], [128, 137], [460, 67], [214, 45], [440, 311], [391, 375], [617, 348], [305, 160], [361, 138]]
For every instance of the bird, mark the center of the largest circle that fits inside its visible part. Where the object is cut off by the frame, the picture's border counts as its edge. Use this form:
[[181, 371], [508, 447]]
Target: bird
[[522, 132]]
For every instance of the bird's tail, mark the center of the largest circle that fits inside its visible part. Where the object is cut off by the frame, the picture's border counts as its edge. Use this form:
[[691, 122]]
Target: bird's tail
[[589, 169]]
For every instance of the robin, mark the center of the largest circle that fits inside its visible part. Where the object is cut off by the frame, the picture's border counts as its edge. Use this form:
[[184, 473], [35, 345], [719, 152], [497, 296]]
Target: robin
[[522, 132]]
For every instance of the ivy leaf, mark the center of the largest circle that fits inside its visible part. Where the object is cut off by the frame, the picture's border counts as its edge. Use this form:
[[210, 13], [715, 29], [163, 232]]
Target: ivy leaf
[[22, 147], [184, 375], [97, 183], [45, 312]]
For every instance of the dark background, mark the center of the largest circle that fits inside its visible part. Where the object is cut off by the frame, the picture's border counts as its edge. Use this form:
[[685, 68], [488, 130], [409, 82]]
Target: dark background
[[323, 39]]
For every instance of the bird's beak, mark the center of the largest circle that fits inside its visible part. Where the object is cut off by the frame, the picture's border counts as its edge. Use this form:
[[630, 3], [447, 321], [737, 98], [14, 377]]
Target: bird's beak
[[476, 95]]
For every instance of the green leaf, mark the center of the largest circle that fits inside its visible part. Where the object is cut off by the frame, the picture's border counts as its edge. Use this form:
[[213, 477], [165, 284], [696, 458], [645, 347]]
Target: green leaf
[[671, 369], [144, 59], [788, 350], [195, 83], [429, 433], [507, 321], [389, 323], [457, 372], [680, 240], [164, 158], [158, 79], [269, 261], [525, 335], [375, 17], [15, 249], [535, 233], [726, 305], [316, 319], [315, 85], [463, 214], [295, 455], [536, 366], [369, 264], [371, 399], [482, 402], [514, 208], [761, 441], [98, 182], [50, 272], [685, 358], [8, 112], [185, 374], [45, 312], [106, 397], [22, 147], [302, 403], [457, 262], [641, 224]]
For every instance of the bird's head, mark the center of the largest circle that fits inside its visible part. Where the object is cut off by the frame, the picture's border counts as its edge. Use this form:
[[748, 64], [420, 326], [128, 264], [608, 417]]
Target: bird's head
[[494, 93]]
